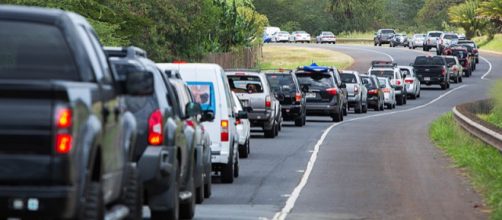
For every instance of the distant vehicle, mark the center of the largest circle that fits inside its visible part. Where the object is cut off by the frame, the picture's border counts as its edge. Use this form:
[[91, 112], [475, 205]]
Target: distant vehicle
[[299, 36], [388, 92], [431, 40], [412, 84], [67, 140], [252, 88], [376, 97], [474, 47], [416, 41], [209, 86], [324, 97], [390, 70], [343, 89], [267, 38], [292, 99], [383, 36], [432, 71], [282, 36], [462, 37], [243, 129], [445, 40], [326, 37], [399, 40], [357, 92], [455, 68], [271, 30], [463, 57]]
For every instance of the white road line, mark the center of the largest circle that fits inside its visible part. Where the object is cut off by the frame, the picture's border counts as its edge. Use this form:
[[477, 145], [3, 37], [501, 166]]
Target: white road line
[[290, 203], [489, 67]]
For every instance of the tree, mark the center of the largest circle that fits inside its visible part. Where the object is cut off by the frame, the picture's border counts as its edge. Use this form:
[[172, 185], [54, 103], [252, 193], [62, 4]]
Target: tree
[[465, 15], [435, 12], [492, 10]]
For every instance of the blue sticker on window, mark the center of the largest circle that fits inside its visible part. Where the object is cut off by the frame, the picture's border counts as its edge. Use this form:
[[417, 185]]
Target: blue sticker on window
[[203, 93]]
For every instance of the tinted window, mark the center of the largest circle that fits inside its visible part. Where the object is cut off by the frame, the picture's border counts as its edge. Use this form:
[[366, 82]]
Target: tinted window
[[367, 81], [429, 61], [245, 84], [281, 82], [449, 37], [435, 35], [34, 51], [383, 73], [459, 53], [382, 81], [450, 61], [316, 80], [348, 78], [387, 32]]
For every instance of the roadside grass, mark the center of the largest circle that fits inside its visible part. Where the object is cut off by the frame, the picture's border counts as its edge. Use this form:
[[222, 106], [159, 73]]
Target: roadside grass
[[493, 45], [289, 57], [495, 115], [356, 35], [483, 164]]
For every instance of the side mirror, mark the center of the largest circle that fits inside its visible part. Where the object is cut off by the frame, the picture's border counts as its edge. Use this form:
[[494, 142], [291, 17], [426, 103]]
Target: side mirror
[[193, 109], [242, 115], [343, 86], [207, 115], [138, 83]]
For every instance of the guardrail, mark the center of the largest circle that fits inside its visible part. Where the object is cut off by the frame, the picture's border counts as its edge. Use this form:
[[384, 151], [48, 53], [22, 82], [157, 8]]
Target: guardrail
[[465, 115]]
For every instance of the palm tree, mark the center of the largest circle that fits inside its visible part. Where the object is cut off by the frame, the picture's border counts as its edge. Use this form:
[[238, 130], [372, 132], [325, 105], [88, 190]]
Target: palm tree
[[465, 16], [492, 10]]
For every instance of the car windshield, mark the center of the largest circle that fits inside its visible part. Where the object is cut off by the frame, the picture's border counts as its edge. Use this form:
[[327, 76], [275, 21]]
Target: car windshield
[[383, 73], [419, 36], [283, 32], [368, 81], [387, 32], [281, 82], [435, 34], [316, 80], [245, 84], [405, 72], [468, 44], [327, 34], [34, 51], [451, 37], [450, 61], [459, 53], [348, 78], [429, 60]]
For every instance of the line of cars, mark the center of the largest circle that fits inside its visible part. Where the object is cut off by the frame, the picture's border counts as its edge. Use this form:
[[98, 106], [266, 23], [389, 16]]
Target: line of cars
[[274, 34]]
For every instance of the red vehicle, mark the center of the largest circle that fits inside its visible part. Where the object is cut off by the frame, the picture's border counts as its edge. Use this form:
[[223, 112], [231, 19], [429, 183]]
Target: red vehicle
[[464, 57]]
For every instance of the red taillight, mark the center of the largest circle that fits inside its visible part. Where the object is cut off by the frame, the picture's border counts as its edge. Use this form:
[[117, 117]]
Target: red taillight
[[298, 97], [190, 123], [475, 51], [443, 71], [63, 118], [224, 130], [155, 136], [398, 82], [237, 122], [386, 90], [409, 81], [373, 92], [268, 102], [63, 143], [455, 69], [331, 91], [356, 89]]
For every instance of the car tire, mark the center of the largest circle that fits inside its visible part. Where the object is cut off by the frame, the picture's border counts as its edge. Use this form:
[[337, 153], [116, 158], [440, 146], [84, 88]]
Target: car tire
[[227, 173], [345, 110], [271, 132], [388, 106], [405, 99], [208, 181], [243, 150], [460, 78], [382, 107], [199, 192], [187, 210], [304, 119], [358, 108], [400, 100], [336, 117], [133, 194], [299, 121], [276, 130], [443, 86], [377, 107], [365, 108], [173, 193], [93, 207], [477, 60], [236, 167]]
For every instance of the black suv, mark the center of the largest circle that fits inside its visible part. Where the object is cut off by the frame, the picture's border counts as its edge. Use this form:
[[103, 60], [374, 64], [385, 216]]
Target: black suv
[[67, 138], [293, 102], [383, 36], [163, 145], [323, 95]]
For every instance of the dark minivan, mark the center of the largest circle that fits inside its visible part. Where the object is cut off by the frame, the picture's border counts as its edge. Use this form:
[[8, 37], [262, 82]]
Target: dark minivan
[[324, 97], [287, 89]]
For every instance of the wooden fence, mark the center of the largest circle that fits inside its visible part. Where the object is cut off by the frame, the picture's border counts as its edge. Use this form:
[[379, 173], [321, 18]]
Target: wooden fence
[[242, 58]]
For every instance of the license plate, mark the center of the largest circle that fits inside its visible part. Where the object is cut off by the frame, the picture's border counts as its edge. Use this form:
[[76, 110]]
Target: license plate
[[310, 95], [427, 78]]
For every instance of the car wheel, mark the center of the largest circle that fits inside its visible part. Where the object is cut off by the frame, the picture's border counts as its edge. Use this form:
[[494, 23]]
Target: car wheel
[[299, 121], [276, 130], [358, 108], [187, 209], [243, 150], [227, 174], [365, 108], [399, 100], [477, 60], [443, 86], [208, 181], [345, 110], [336, 117], [405, 99], [460, 78], [382, 107], [173, 193], [93, 207], [377, 106], [199, 191], [304, 119], [236, 166], [271, 132], [133, 194]]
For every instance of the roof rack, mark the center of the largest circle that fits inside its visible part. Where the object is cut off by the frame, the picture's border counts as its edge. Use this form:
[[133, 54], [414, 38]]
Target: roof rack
[[383, 63], [279, 70], [131, 51]]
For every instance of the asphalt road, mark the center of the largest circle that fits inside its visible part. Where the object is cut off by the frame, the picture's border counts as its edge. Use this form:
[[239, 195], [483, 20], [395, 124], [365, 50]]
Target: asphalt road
[[379, 165]]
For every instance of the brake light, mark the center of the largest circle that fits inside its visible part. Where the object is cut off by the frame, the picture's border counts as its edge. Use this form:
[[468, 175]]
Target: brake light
[[268, 102], [386, 90], [63, 143], [398, 82], [409, 81], [224, 130], [298, 97], [455, 69], [475, 51], [356, 89], [373, 92], [238, 121], [331, 91], [443, 71], [64, 118], [190, 123], [155, 136]]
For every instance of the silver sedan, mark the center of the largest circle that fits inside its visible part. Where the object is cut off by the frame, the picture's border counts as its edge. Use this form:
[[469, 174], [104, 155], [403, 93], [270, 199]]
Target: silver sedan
[[411, 81]]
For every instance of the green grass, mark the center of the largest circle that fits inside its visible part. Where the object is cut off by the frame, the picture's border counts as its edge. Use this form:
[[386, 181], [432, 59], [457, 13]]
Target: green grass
[[356, 35], [290, 57], [482, 162], [492, 118], [493, 45], [495, 115]]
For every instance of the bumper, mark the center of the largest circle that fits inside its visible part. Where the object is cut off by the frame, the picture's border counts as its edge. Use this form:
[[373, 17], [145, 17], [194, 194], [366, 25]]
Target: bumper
[[322, 109], [327, 41], [242, 136], [410, 88], [373, 101], [353, 100], [433, 81], [155, 167], [388, 99], [261, 119], [38, 202], [291, 112], [220, 152]]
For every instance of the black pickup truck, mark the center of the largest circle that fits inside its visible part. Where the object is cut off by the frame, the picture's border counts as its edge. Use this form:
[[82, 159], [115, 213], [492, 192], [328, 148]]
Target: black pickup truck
[[66, 140], [432, 70]]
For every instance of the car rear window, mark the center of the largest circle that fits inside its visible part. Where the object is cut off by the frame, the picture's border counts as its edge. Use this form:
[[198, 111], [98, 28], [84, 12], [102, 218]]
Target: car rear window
[[34, 51], [450, 60], [459, 53], [382, 81], [429, 61], [388, 32], [348, 78], [245, 84], [203, 93], [435, 35], [451, 36], [281, 82], [316, 80], [383, 73], [368, 81]]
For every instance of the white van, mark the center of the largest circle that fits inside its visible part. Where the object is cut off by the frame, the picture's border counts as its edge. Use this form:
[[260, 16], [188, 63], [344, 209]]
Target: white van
[[210, 88]]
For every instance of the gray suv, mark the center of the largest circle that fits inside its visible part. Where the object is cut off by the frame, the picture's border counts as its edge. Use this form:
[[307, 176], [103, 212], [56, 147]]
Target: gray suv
[[357, 92], [383, 36], [431, 39], [253, 90]]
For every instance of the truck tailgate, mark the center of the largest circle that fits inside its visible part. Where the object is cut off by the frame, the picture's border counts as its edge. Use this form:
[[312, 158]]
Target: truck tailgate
[[428, 71]]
